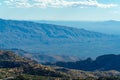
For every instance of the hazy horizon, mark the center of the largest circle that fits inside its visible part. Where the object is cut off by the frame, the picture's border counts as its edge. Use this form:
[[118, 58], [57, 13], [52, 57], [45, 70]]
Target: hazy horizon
[[59, 20]]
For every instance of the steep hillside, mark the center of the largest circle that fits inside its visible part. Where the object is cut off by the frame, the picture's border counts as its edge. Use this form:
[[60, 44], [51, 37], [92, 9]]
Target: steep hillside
[[55, 39]]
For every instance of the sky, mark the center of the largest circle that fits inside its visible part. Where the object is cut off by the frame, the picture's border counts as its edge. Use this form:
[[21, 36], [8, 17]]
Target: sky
[[72, 10]]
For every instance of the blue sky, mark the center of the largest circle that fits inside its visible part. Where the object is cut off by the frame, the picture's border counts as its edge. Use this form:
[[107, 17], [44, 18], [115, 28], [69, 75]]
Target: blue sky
[[75, 10]]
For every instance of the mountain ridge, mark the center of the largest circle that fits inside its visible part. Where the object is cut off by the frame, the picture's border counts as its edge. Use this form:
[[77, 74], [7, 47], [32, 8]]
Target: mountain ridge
[[101, 63], [55, 39], [107, 27]]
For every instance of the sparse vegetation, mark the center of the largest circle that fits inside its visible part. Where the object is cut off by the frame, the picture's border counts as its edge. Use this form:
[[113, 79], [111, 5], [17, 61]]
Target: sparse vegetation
[[14, 67]]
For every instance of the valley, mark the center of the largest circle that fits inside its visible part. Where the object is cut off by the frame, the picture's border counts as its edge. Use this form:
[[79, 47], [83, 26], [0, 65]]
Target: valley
[[47, 51]]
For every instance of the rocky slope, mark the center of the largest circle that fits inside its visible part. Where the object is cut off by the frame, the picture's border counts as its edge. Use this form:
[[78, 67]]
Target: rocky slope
[[30, 69], [20, 65]]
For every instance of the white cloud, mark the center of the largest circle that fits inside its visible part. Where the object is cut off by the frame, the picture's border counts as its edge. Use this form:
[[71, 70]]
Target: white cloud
[[57, 3], [18, 3]]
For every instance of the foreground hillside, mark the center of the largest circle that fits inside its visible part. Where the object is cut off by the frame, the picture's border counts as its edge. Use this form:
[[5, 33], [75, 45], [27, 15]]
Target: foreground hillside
[[40, 38], [14, 67]]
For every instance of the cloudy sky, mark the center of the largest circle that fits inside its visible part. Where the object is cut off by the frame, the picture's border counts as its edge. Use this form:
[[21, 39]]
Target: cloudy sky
[[60, 9]]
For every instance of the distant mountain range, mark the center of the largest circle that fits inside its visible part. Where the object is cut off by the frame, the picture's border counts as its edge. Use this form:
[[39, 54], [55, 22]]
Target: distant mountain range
[[107, 27], [49, 39]]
